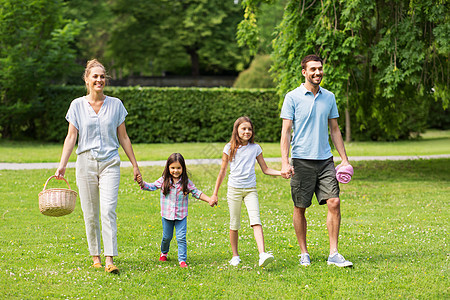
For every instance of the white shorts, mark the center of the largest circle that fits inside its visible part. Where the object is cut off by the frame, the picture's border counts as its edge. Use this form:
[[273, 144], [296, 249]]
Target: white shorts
[[235, 197]]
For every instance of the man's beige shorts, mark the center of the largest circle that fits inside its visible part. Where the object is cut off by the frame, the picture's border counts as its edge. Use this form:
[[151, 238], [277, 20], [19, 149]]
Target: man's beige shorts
[[235, 198]]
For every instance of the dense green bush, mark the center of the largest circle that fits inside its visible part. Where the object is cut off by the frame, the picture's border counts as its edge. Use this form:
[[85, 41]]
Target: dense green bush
[[257, 75], [162, 115]]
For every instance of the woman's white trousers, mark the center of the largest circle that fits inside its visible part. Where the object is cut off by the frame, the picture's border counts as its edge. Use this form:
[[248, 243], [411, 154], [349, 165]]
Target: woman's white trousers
[[98, 187]]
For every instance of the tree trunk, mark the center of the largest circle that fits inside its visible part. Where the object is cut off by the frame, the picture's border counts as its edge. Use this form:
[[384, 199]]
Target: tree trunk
[[5, 132], [348, 129], [195, 68]]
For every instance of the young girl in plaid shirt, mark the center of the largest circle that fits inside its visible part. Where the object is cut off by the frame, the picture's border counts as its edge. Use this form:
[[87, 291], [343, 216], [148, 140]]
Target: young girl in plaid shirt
[[175, 187]]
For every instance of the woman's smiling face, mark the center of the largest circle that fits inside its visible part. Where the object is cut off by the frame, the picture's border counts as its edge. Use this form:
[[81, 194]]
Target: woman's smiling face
[[96, 79]]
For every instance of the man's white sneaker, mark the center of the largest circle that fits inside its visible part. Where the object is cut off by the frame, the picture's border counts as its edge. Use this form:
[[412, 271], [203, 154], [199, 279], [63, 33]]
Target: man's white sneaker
[[338, 260], [235, 260], [265, 259], [305, 260]]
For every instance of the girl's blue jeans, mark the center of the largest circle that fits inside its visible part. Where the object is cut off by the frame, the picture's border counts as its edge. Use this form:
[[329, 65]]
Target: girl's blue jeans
[[181, 229]]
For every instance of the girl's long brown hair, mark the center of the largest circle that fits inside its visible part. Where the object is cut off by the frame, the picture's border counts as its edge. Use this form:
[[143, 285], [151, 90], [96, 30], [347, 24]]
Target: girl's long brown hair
[[168, 180], [235, 140]]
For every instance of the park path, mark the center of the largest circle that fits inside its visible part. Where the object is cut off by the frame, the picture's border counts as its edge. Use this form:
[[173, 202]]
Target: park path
[[125, 164]]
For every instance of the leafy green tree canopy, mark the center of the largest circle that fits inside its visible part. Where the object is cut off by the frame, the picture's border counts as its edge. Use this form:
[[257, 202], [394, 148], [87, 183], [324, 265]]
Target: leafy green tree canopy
[[160, 34], [99, 22], [35, 49], [386, 61]]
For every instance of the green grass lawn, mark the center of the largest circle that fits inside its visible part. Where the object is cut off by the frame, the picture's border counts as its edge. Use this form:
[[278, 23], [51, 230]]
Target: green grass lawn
[[394, 229], [432, 142]]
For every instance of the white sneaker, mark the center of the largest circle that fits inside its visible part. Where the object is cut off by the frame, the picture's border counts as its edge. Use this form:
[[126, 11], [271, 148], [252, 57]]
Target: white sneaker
[[305, 260], [265, 259], [235, 261], [338, 260]]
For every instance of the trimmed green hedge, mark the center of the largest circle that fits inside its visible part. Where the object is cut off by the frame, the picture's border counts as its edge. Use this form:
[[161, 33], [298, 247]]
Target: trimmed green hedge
[[164, 115]]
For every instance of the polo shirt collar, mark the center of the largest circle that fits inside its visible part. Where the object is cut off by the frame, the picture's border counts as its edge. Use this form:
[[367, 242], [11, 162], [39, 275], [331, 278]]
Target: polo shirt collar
[[305, 91]]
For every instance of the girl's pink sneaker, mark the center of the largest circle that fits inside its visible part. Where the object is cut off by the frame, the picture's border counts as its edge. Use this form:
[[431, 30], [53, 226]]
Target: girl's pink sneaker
[[183, 264], [163, 257]]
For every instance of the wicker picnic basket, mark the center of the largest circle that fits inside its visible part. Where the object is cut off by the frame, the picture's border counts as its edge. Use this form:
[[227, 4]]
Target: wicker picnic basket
[[57, 202]]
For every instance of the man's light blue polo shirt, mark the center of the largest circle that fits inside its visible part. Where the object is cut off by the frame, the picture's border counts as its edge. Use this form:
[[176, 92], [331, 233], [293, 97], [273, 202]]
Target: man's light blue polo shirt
[[97, 132], [310, 117]]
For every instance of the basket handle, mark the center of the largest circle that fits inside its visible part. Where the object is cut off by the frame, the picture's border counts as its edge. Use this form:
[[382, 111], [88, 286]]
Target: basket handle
[[54, 176]]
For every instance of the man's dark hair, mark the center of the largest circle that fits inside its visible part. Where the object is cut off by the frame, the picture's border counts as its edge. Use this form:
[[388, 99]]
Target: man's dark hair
[[308, 58]]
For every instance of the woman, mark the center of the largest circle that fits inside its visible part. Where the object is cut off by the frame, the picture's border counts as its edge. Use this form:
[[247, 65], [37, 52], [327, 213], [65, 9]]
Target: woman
[[98, 120]]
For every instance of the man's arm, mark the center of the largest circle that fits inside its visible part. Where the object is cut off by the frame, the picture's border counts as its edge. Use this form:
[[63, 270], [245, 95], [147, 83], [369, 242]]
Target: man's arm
[[285, 142], [338, 142]]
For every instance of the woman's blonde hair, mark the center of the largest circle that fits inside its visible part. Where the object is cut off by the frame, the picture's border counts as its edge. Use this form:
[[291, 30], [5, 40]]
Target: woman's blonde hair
[[89, 66]]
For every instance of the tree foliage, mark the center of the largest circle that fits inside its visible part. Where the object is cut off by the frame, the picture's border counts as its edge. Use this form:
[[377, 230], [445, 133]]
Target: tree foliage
[[256, 30], [257, 75], [35, 49], [162, 35], [99, 20], [386, 61]]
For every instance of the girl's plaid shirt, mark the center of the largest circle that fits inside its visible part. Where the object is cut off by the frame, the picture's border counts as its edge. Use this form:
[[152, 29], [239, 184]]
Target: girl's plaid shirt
[[174, 206]]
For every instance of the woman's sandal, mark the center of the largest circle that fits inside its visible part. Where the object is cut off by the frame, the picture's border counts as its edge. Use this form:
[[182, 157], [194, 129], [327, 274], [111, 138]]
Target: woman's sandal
[[97, 265], [112, 269]]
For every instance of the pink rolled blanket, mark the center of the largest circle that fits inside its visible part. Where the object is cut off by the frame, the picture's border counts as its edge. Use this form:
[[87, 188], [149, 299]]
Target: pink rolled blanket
[[344, 173]]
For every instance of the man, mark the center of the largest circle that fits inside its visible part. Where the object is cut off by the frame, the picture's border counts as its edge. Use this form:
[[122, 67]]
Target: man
[[309, 110]]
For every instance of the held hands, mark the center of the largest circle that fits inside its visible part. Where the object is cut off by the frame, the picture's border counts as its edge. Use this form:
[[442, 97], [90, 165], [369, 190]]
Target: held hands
[[287, 171], [136, 173], [139, 180], [213, 201]]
